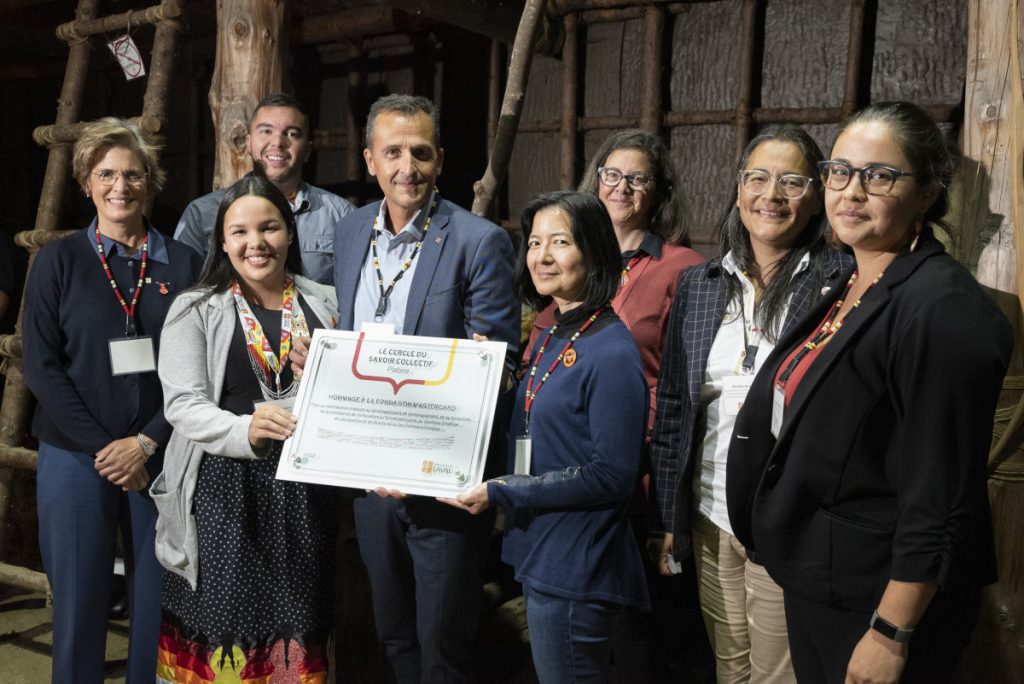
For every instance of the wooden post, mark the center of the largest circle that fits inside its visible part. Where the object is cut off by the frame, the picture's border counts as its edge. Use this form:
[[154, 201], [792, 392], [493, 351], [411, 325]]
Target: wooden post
[[854, 50], [511, 108], [14, 412], [991, 213], [567, 130], [354, 140], [745, 90], [650, 96], [252, 50]]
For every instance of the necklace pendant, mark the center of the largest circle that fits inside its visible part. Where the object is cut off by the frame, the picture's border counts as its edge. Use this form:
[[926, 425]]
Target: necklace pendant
[[624, 280]]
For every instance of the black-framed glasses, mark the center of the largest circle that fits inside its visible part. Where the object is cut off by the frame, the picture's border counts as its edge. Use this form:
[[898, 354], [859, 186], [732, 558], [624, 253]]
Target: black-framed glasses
[[107, 177], [612, 177], [875, 179], [757, 182]]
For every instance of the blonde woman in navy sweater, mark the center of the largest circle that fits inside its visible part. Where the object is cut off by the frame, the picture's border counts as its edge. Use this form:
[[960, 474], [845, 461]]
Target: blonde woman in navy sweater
[[581, 414], [99, 417]]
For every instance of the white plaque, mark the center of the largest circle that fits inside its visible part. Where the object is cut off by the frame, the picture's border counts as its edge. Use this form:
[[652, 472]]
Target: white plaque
[[395, 411]]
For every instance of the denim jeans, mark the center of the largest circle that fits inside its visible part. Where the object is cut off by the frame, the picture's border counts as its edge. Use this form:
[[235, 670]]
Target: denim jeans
[[570, 640]]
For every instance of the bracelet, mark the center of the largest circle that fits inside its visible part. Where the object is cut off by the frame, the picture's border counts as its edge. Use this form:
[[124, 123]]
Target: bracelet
[[146, 447]]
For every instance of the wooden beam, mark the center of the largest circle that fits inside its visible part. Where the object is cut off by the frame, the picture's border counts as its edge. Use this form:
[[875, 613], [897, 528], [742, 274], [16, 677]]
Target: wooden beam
[[78, 30], [496, 19], [69, 133], [748, 64], [854, 50], [570, 93], [356, 24], [18, 457], [23, 578], [650, 95]]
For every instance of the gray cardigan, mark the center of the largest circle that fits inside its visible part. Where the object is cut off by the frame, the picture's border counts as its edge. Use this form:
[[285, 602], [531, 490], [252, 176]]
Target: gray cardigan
[[193, 361]]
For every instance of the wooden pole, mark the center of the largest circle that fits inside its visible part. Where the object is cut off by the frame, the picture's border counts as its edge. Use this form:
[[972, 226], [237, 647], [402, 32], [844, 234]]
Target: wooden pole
[[745, 89], [991, 213], [356, 103], [650, 96], [567, 129], [497, 67], [511, 108], [252, 49], [854, 50]]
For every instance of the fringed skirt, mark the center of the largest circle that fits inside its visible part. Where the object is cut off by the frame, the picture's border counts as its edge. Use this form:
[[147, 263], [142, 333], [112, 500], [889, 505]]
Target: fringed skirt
[[262, 608]]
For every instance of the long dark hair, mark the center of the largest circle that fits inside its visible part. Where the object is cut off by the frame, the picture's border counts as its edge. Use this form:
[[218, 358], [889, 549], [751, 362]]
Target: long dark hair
[[770, 309], [932, 159], [595, 238], [218, 273], [667, 211]]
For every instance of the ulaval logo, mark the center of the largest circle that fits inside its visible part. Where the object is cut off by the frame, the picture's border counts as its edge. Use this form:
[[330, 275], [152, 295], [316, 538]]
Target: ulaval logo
[[431, 468]]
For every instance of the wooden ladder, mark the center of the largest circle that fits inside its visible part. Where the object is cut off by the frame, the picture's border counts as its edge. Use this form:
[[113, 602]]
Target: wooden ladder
[[59, 138]]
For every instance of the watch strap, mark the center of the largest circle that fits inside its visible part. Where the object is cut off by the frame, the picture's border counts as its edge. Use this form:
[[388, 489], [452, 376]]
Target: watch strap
[[147, 448], [889, 630]]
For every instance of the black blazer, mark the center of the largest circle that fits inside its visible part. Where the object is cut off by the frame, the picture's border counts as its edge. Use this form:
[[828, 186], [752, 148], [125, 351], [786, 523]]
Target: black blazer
[[879, 471]]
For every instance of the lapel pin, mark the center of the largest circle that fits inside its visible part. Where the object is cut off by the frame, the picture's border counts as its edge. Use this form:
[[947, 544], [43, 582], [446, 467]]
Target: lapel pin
[[437, 239], [825, 290], [163, 288], [570, 358]]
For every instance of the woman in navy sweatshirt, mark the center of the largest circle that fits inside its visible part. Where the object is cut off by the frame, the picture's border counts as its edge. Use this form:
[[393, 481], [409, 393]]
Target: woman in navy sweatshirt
[[577, 435], [95, 303]]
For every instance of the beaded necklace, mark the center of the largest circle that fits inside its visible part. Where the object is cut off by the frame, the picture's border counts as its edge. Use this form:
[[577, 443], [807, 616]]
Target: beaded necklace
[[129, 311]]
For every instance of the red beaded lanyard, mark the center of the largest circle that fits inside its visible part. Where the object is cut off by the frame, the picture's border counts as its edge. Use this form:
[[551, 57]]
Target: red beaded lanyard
[[828, 328], [627, 268], [531, 393], [129, 311]]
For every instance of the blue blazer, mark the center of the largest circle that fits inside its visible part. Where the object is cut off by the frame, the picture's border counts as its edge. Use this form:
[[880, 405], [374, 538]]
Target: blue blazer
[[696, 316], [462, 283]]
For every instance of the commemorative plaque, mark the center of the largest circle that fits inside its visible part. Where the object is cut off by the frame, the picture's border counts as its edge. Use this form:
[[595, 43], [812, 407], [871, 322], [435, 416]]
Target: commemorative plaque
[[400, 412]]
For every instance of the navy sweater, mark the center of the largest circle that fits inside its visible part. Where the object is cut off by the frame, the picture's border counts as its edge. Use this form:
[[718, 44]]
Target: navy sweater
[[568, 534], [70, 314]]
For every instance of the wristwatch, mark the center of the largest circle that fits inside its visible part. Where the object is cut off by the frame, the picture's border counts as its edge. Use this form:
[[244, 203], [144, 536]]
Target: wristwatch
[[889, 630], [147, 448]]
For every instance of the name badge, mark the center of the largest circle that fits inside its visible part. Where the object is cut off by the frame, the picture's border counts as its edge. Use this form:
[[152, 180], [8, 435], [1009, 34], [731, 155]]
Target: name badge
[[778, 408], [524, 455], [132, 355], [378, 328], [734, 392]]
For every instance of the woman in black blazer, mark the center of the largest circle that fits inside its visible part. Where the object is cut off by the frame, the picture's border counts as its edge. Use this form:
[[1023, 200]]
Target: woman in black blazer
[[856, 470]]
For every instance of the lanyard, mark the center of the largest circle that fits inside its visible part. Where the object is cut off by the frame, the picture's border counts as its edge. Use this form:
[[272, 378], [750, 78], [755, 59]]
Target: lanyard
[[828, 328], [259, 348], [531, 393], [627, 268], [382, 305], [129, 311]]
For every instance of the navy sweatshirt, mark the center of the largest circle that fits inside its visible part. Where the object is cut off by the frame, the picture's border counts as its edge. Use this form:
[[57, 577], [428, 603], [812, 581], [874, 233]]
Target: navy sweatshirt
[[567, 529], [71, 313]]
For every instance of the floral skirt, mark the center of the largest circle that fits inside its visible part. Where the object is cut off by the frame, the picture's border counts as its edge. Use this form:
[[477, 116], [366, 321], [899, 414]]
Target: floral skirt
[[262, 608]]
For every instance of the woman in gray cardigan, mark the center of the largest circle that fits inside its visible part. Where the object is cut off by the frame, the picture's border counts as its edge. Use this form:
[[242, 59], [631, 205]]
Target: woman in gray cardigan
[[249, 555]]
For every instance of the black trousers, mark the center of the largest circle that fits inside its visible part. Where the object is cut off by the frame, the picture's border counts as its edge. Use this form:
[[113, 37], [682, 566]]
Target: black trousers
[[822, 638]]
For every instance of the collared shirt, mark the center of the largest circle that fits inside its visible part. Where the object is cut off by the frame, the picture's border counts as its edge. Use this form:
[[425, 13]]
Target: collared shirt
[[714, 422], [651, 245], [392, 251], [316, 211]]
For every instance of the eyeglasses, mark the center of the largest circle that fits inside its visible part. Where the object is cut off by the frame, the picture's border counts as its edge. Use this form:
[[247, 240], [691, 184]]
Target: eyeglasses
[[791, 185], [875, 179], [612, 178], [106, 177]]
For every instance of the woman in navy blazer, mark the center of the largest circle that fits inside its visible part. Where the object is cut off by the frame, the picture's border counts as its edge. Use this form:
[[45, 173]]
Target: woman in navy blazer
[[99, 417], [857, 468]]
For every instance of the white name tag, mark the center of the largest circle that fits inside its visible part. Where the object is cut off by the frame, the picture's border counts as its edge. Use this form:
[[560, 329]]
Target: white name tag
[[378, 328], [734, 392], [132, 355], [778, 408], [524, 455]]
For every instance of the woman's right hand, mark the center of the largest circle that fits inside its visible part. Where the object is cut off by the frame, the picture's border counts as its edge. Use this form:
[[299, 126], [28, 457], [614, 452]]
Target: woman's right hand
[[299, 352], [659, 550], [270, 422]]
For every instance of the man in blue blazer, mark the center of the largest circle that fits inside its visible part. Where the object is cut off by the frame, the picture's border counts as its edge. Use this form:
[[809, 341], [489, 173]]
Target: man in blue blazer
[[430, 268]]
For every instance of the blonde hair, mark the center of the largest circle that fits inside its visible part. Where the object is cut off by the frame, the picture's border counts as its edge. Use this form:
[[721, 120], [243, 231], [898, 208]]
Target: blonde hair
[[103, 134]]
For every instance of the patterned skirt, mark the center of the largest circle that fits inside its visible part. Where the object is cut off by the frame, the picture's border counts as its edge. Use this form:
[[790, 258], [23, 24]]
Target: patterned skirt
[[262, 608]]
